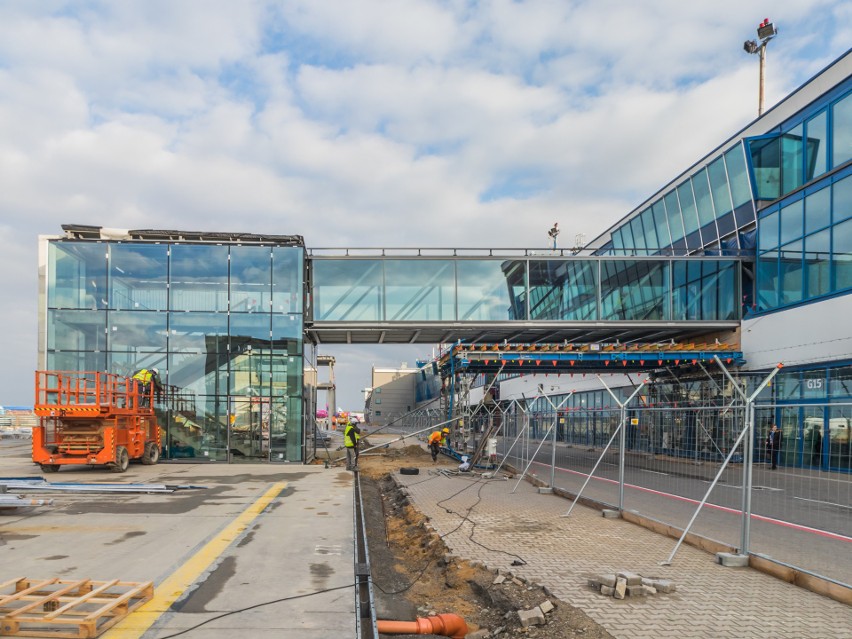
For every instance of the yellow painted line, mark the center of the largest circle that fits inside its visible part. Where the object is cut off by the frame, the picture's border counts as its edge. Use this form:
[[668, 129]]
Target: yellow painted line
[[138, 622]]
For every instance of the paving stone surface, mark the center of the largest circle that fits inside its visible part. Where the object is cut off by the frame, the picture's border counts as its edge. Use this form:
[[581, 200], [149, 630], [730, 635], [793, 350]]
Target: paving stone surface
[[488, 522]]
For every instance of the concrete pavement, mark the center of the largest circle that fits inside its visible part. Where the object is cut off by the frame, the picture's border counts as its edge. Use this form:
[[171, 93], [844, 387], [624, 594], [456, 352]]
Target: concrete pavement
[[561, 553], [258, 533]]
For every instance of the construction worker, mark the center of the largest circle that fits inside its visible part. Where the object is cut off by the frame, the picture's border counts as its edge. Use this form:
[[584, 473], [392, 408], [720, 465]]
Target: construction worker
[[351, 437], [436, 440], [147, 377]]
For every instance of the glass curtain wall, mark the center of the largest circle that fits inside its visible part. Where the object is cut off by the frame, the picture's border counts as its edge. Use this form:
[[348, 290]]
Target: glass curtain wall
[[222, 323], [805, 245], [474, 290]]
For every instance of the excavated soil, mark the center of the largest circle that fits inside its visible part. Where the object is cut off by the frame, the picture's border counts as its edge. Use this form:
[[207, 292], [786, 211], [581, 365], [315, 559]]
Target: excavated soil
[[414, 574]]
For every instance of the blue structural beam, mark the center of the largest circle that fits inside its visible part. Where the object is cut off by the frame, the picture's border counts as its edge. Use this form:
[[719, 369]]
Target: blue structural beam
[[461, 359]]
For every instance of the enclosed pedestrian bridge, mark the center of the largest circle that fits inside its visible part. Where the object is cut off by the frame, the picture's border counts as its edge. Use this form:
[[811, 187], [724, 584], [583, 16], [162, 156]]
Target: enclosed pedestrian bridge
[[368, 296]]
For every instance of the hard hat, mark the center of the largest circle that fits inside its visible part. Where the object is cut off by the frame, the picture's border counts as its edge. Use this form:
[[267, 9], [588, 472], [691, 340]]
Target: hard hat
[[155, 370], [446, 430]]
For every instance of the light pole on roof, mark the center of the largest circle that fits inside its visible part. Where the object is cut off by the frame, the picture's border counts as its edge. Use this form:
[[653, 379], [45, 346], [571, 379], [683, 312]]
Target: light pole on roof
[[765, 32]]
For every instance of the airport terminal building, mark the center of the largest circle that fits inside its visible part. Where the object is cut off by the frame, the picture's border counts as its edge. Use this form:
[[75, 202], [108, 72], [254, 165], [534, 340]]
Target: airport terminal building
[[230, 318]]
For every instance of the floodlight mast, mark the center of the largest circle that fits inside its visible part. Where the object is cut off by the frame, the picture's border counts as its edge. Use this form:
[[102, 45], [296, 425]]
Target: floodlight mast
[[765, 32]]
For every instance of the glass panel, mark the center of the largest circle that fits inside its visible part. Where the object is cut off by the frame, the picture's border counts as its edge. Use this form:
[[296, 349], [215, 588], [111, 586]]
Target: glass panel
[[790, 267], [251, 279], [251, 328], [638, 235], [347, 290], [420, 290], [719, 186], [76, 330], [139, 277], [703, 201], [818, 263], [788, 385], [842, 255], [767, 281], [792, 222], [132, 331], [841, 131], [199, 430], [840, 384], [768, 231], [651, 240], [199, 278], [563, 290], [287, 273], [842, 203], [204, 373], [198, 332], [687, 207], [661, 224], [704, 290], [817, 210], [839, 440], [287, 328], [491, 290], [738, 176], [766, 160], [813, 432], [814, 385], [634, 290], [77, 275], [76, 361], [791, 160], [817, 161], [673, 215]]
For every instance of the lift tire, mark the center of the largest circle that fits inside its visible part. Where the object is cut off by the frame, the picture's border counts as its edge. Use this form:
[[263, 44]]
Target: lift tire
[[49, 468], [151, 455], [122, 460], [409, 471]]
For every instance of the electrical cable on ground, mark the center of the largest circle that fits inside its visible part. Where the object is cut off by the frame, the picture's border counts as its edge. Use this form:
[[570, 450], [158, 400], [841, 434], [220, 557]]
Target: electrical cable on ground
[[265, 603]]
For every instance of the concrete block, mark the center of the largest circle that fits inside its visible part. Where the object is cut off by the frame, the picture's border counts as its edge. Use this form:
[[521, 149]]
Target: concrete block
[[620, 588], [731, 560], [545, 606], [633, 579], [650, 590], [664, 585], [605, 580], [534, 617], [647, 581], [636, 591], [610, 514], [608, 591], [499, 579]]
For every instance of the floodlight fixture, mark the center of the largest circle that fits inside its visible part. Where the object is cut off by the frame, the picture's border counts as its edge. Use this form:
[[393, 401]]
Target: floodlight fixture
[[765, 32]]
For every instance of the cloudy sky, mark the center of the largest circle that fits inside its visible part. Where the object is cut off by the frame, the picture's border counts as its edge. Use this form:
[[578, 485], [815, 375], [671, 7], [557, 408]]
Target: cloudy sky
[[390, 123]]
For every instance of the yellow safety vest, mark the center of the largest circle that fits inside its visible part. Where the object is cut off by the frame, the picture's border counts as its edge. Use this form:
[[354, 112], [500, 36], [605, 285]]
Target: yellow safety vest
[[347, 441], [143, 376]]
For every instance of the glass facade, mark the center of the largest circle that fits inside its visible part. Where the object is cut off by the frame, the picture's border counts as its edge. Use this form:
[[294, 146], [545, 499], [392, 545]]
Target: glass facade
[[222, 323], [487, 290], [712, 203], [805, 244]]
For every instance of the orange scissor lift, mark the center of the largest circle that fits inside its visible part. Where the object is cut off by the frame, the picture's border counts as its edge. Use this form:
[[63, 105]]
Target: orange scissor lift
[[93, 418]]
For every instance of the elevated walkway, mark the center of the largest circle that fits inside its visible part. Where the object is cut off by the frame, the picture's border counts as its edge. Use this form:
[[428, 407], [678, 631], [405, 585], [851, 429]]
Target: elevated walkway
[[382, 296]]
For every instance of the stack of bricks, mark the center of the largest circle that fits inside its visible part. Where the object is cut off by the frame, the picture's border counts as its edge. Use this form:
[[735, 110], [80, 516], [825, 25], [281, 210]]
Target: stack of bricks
[[629, 584]]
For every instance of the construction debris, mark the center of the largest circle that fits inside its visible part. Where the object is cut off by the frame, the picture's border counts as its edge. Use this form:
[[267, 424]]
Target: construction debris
[[18, 501], [37, 483], [67, 608], [629, 584]]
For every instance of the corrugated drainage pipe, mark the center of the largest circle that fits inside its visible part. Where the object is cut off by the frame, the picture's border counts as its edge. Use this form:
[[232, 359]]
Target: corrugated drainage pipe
[[447, 625]]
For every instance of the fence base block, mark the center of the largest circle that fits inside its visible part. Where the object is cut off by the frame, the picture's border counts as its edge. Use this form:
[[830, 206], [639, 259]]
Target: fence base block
[[731, 560], [611, 514], [545, 490]]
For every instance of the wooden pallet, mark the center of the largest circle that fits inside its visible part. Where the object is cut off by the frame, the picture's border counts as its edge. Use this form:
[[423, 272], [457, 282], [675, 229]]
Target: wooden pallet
[[67, 608]]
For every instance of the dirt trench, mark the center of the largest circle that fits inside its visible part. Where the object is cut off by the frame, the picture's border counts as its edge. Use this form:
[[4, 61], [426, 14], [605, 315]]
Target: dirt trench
[[415, 575]]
